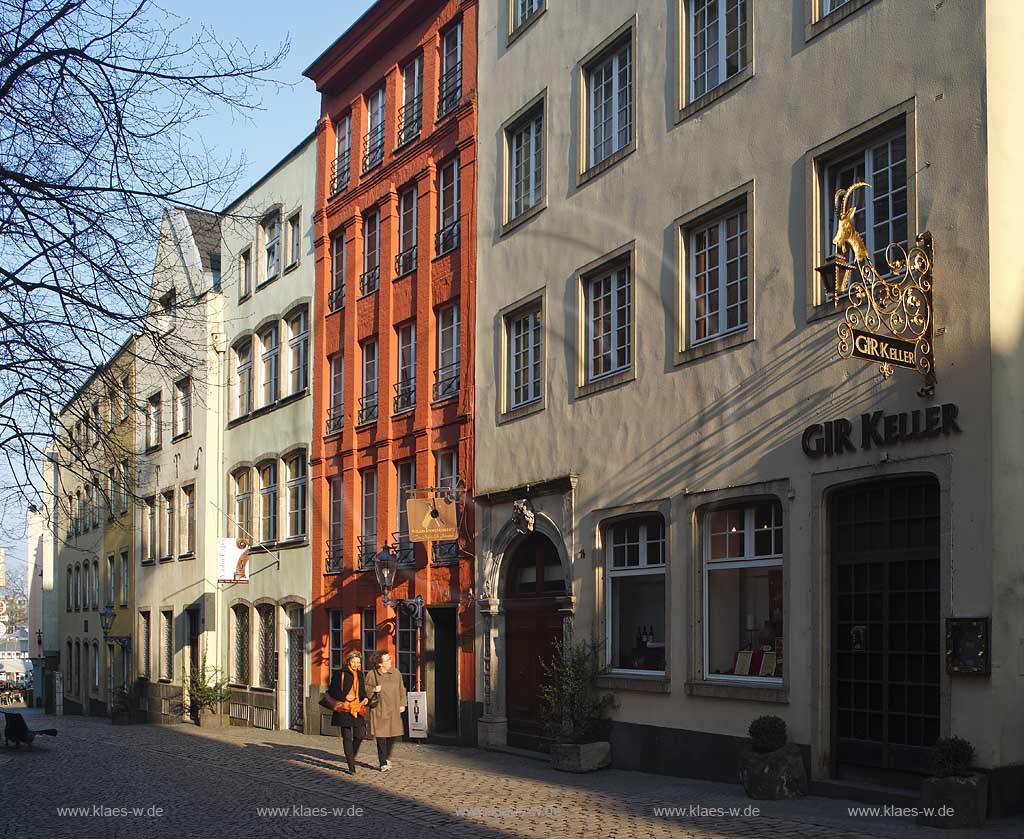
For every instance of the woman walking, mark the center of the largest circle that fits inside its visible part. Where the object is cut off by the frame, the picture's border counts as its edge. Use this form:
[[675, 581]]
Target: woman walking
[[387, 703], [349, 687]]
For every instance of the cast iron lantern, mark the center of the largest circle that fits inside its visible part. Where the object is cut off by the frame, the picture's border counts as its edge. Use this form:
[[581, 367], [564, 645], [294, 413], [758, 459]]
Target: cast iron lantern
[[385, 567]]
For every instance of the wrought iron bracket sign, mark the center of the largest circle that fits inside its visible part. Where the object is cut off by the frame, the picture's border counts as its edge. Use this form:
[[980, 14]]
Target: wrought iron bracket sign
[[888, 316]]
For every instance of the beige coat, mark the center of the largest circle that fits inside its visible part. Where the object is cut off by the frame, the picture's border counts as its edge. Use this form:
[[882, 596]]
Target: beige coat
[[385, 716]]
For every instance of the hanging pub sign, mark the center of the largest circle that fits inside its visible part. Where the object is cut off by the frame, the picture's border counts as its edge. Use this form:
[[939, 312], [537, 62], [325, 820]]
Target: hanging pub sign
[[888, 317], [434, 518]]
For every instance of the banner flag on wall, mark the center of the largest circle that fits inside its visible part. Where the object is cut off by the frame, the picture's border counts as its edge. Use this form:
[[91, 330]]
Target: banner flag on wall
[[232, 561]]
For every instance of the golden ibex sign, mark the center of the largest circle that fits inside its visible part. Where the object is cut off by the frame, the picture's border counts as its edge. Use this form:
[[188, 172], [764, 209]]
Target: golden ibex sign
[[432, 519]]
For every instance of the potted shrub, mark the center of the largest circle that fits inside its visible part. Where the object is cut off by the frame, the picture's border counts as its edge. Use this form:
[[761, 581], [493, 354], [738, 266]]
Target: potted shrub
[[771, 768], [573, 710], [206, 694], [953, 795]]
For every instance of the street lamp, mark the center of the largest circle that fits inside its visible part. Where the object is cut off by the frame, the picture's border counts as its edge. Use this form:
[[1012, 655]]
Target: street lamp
[[385, 567], [106, 622]]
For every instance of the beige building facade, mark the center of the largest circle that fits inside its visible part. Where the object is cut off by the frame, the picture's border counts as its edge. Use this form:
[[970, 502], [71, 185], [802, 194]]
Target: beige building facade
[[671, 457]]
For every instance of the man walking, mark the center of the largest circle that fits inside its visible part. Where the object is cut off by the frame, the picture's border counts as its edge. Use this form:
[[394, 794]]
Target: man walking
[[387, 693]]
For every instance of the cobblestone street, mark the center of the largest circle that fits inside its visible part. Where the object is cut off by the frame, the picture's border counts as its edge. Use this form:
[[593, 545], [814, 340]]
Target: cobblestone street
[[261, 783]]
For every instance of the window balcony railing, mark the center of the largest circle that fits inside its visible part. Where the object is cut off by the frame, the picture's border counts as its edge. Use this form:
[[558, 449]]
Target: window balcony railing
[[447, 238], [340, 171], [368, 409], [446, 381], [369, 280], [335, 299], [405, 551], [450, 93], [335, 420], [405, 262], [367, 550], [446, 551], [405, 395], [373, 147], [334, 556], [410, 118]]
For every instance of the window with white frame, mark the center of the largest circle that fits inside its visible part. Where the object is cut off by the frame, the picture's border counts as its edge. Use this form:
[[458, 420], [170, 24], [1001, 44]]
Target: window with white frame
[[97, 502], [369, 635], [405, 387], [240, 644], [341, 167], [336, 524], [243, 377], [336, 411], [525, 141], [272, 245], [450, 83], [267, 647], [96, 584], [126, 397], [719, 43], [167, 548], [405, 260], [85, 586], [635, 561], [523, 11], [447, 476], [166, 645], [743, 594], [405, 473], [69, 586], [297, 496], [410, 115], [373, 143], [243, 504], [87, 510], [447, 236], [78, 587], [368, 522], [294, 240], [368, 402], [335, 641], [111, 407], [524, 329], [609, 86], [124, 486], [719, 276], [145, 645], [298, 350], [446, 377], [111, 491], [150, 534], [245, 273], [609, 304], [268, 500], [125, 582], [336, 296], [407, 649], [829, 6], [95, 666], [153, 421], [111, 581], [183, 406], [370, 278], [270, 355], [188, 519]]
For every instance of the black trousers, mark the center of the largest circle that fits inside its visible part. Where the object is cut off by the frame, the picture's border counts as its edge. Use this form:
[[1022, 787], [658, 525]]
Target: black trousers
[[384, 745], [351, 741]]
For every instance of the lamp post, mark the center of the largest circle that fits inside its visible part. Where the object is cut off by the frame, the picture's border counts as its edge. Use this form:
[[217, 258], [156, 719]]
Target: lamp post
[[106, 622], [385, 567]]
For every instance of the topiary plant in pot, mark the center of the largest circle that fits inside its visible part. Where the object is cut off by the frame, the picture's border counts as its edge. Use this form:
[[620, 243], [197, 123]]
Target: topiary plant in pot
[[206, 694], [771, 768], [953, 795]]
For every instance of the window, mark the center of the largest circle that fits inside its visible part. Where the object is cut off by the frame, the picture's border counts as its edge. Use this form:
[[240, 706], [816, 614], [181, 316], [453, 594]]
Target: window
[[373, 142], [68, 589], [370, 278], [407, 649], [167, 550], [150, 535], [446, 376], [297, 496], [410, 115], [126, 397], [609, 83], [124, 486], [96, 584], [368, 402], [447, 236], [95, 423], [95, 666], [182, 406], [405, 387], [525, 163], [78, 665], [829, 6], [368, 526], [243, 504], [214, 259], [124, 578], [245, 273], [85, 587], [635, 558], [97, 502], [144, 634], [166, 645], [167, 311], [153, 422], [272, 246], [609, 297], [111, 491], [240, 644], [335, 539], [719, 44], [78, 587], [343, 153], [336, 296], [111, 581], [525, 356], [719, 276], [87, 513], [111, 407], [447, 465], [294, 240], [405, 259], [524, 11], [335, 640], [188, 528], [405, 472], [298, 350], [268, 501], [267, 646], [269, 365], [336, 411], [743, 608], [126, 667], [450, 87], [369, 635], [243, 377]]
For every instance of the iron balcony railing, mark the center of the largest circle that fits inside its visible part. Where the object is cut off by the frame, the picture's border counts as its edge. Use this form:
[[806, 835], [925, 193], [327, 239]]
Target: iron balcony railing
[[335, 420], [447, 238], [367, 550], [405, 262], [334, 556], [446, 551], [369, 280], [368, 408], [373, 147], [450, 93], [405, 551], [340, 171], [446, 381], [410, 118], [405, 395], [335, 298]]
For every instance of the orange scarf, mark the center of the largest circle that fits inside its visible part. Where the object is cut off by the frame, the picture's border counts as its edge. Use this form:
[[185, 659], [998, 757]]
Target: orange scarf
[[353, 704]]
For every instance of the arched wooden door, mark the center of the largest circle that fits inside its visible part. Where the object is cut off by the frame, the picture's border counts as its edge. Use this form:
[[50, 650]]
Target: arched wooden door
[[535, 600]]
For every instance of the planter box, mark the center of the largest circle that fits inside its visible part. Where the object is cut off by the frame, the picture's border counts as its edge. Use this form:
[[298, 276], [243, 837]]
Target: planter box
[[581, 757], [955, 802], [769, 776], [209, 719]]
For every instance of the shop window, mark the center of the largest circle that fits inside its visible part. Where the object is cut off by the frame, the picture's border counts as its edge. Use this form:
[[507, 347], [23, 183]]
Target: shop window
[[635, 557], [240, 644]]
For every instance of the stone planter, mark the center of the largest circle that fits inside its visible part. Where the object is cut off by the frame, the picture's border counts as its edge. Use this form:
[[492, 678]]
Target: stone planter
[[954, 802], [209, 719], [769, 776], [581, 757]]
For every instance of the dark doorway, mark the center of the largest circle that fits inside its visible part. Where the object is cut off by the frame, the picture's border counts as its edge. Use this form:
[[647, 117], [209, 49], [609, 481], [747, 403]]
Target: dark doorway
[[535, 600], [445, 663], [886, 652]]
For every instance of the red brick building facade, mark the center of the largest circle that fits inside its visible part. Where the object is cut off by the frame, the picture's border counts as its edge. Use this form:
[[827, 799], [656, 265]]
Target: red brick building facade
[[394, 307]]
